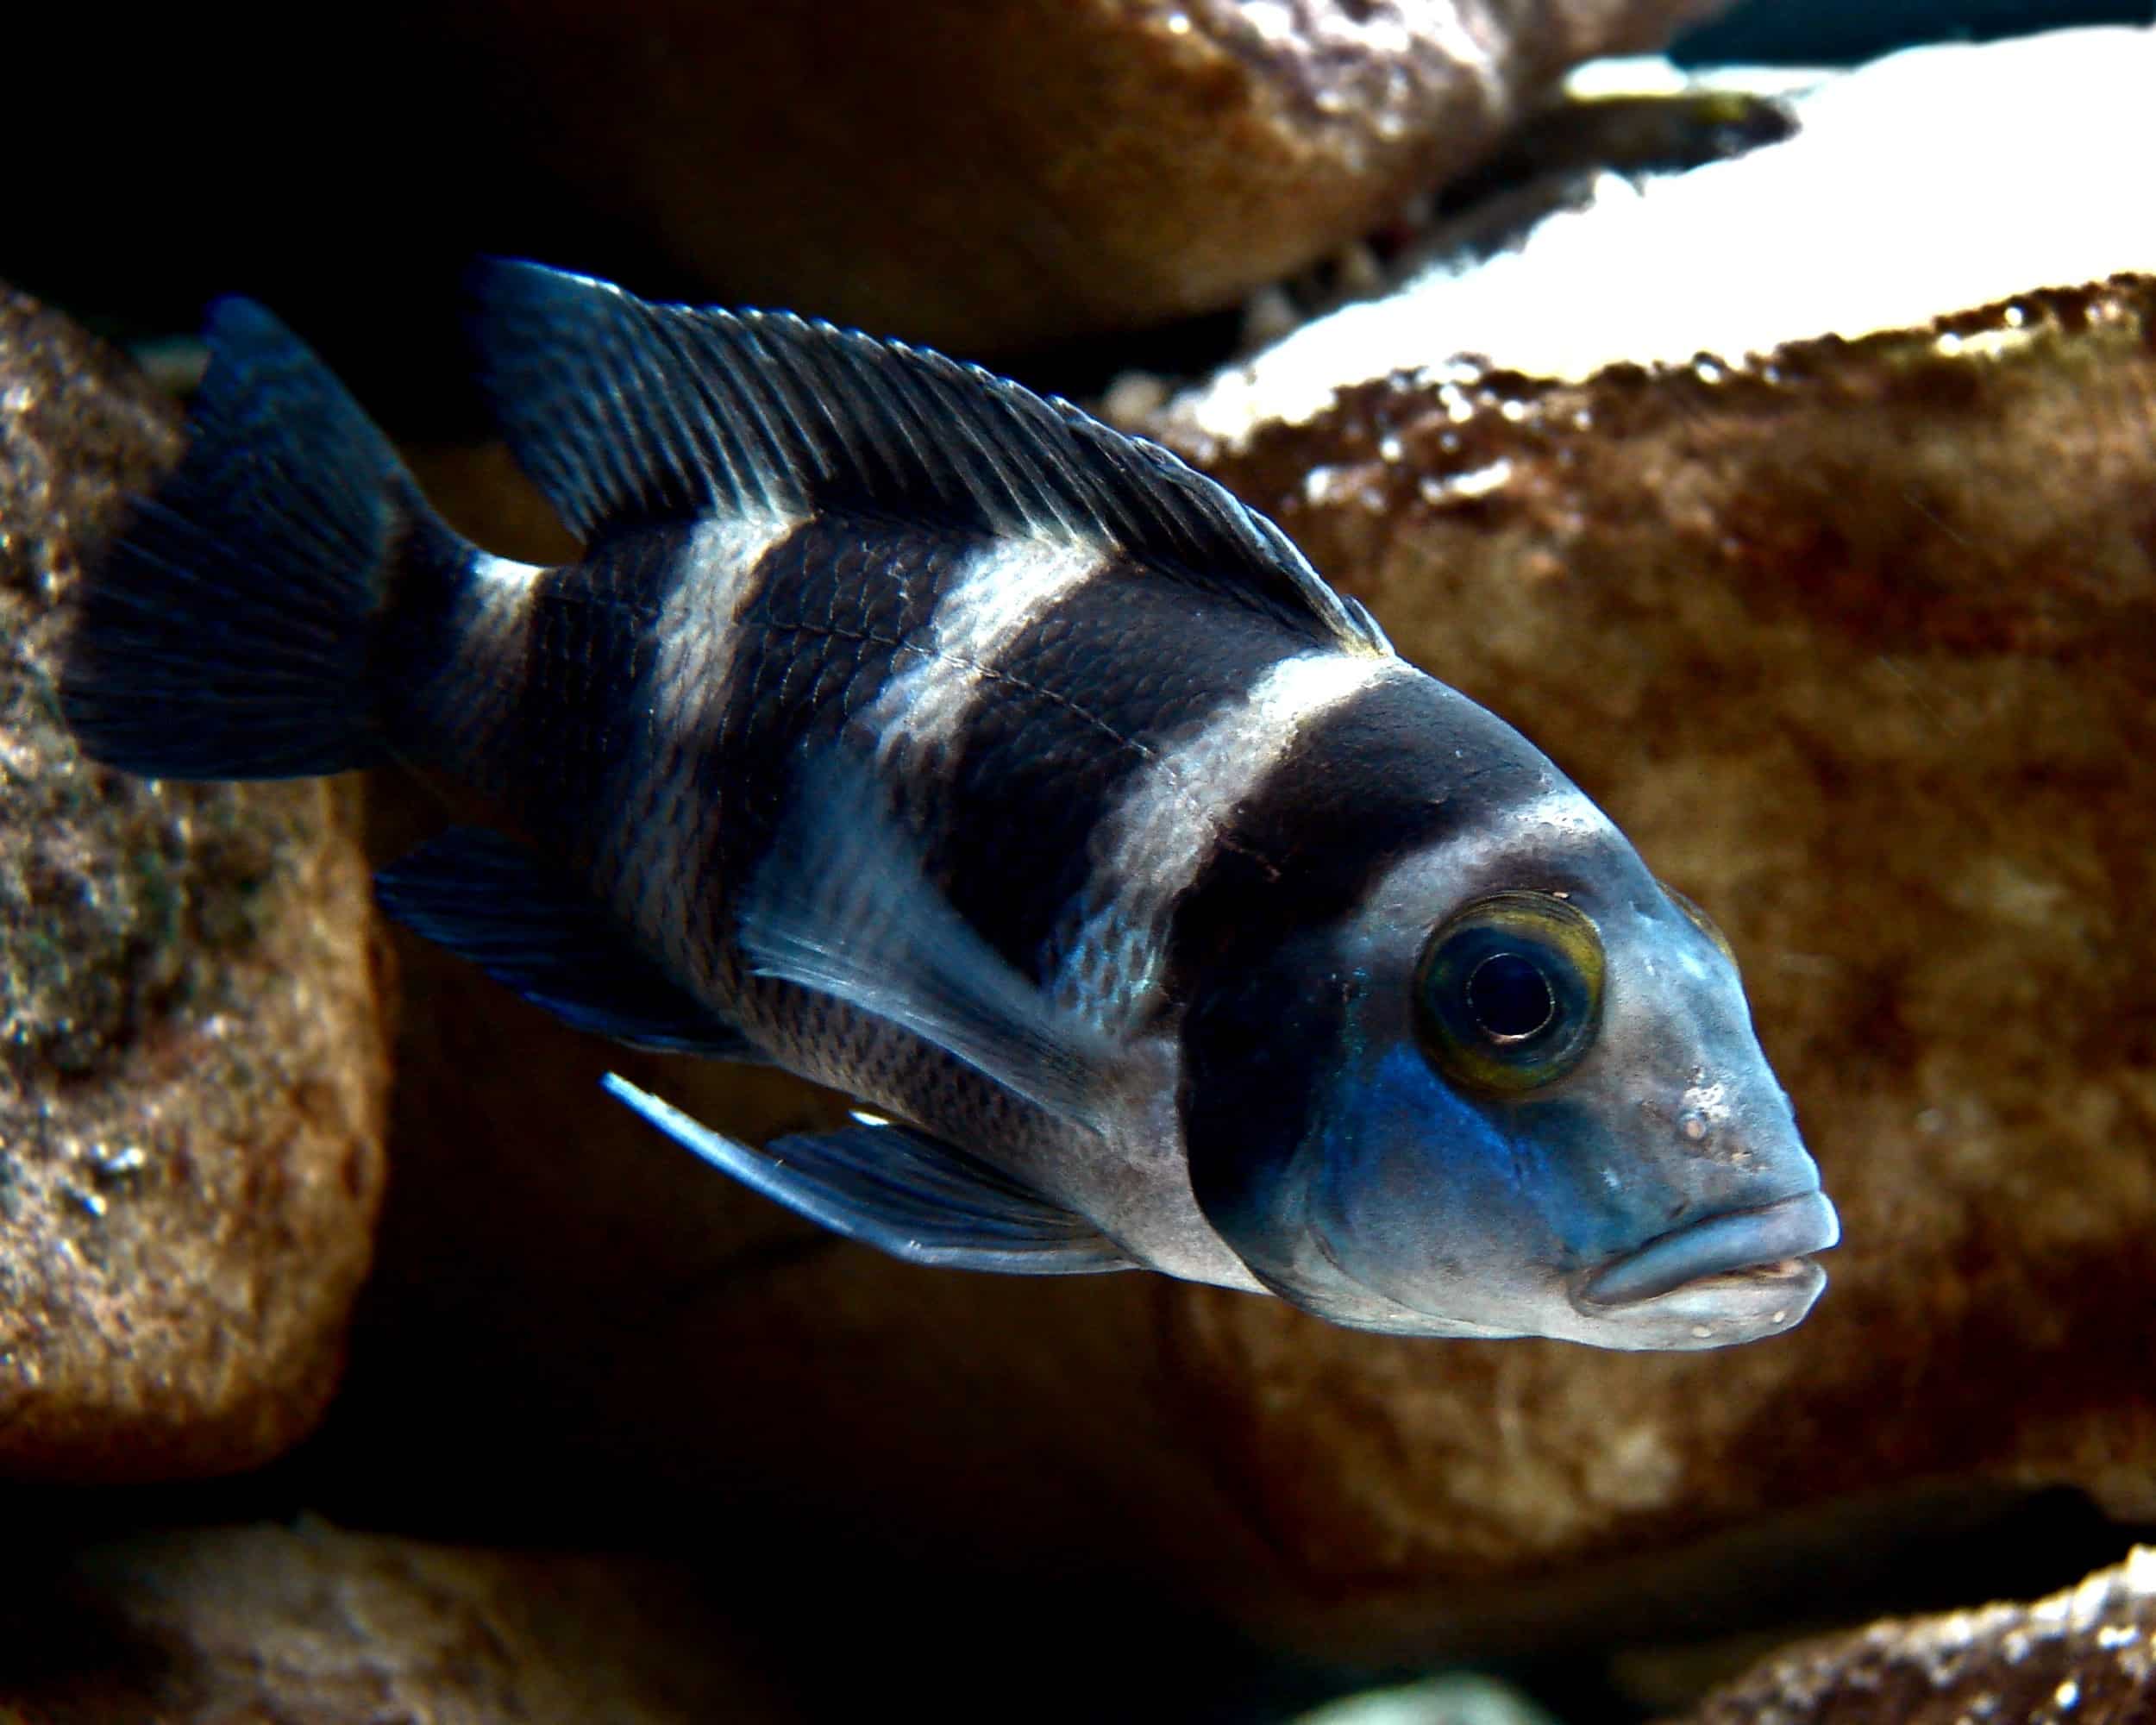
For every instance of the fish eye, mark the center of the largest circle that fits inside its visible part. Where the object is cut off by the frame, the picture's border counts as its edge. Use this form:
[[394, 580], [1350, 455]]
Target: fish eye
[[1509, 991], [1510, 997], [1704, 924]]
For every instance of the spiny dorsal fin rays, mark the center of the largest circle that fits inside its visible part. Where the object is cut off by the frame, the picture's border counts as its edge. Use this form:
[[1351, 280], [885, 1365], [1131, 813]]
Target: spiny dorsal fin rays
[[625, 412]]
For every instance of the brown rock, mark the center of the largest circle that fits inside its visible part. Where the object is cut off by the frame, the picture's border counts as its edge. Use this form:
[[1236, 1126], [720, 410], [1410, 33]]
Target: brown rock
[[312, 1625], [2087, 1655], [1859, 645], [191, 1068], [988, 177], [1858, 641]]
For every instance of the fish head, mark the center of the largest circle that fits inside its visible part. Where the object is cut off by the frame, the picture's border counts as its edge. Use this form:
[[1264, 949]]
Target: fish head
[[1518, 1093]]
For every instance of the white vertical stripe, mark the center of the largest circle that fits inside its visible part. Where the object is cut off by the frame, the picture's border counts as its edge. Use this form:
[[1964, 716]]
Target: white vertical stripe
[[699, 622], [497, 607], [935, 682], [492, 620], [660, 821], [1169, 821], [501, 574]]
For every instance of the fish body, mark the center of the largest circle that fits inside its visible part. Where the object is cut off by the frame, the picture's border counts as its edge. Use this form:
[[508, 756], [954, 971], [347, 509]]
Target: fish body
[[941, 744]]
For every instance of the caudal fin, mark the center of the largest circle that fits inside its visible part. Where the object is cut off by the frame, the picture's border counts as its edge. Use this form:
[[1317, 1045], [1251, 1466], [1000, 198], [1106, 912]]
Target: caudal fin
[[228, 633]]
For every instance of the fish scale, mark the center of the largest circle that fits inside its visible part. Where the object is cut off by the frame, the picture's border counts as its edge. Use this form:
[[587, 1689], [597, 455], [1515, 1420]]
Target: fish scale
[[938, 743], [834, 611], [589, 639]]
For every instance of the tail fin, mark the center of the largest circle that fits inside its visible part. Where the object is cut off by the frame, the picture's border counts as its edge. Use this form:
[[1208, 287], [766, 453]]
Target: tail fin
[[228, 633]]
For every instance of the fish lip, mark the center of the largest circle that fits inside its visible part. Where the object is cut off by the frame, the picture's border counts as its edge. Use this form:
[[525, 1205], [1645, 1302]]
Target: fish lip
[[1770, 1241]]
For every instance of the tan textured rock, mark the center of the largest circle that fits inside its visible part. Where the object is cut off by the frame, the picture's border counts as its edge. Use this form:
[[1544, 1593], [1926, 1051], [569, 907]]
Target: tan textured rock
[[1859, 646], [1859, 643], [2087, 1655], [987, 177], [312, 1625], [191, 1068]]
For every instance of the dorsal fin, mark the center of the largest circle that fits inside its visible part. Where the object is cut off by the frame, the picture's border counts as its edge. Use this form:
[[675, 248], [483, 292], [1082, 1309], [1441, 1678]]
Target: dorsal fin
[[625, 412]]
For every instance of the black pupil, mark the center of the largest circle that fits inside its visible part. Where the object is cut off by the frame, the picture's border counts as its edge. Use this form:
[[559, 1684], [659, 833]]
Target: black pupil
[[1509, 997]]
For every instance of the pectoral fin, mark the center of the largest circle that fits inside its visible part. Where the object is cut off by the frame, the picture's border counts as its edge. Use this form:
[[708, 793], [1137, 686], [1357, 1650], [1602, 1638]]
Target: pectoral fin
[[842, 905], [900, 1191]]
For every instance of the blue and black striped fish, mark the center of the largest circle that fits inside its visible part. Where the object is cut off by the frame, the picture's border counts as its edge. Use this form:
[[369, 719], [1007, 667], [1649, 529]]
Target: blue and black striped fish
[[934, 741]]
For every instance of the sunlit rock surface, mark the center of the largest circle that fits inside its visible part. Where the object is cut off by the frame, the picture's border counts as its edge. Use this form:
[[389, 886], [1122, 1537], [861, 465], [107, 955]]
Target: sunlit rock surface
[[1858, 642], [1454, 1699], [988, 177], [192, 1069], [2087, 1655], [1937, 179], [312, 1625]]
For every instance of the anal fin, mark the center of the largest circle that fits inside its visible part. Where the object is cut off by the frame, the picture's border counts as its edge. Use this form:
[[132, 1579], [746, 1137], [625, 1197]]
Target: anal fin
[[900, 1191], [536, 932]]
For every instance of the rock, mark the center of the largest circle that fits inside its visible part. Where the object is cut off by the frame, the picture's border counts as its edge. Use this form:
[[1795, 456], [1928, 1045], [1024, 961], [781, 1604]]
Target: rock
[[988, 178], [191, 1063], [1456, 1698], [313, 1626], [1858, 641], [1860, 224], [2088, 1655]]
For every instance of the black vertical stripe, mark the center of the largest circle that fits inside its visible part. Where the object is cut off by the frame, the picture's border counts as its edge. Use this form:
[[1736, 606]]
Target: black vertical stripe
[[591, 643], [1405, 764], [1076, 707], [434, 706], [1400, 765], [843, 606]]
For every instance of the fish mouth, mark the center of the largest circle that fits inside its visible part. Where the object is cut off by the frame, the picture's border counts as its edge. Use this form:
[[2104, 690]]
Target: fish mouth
[[1765, 1250]]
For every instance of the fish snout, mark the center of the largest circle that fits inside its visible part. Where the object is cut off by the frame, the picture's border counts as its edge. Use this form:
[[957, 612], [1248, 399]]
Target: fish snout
[[1762, 1250]]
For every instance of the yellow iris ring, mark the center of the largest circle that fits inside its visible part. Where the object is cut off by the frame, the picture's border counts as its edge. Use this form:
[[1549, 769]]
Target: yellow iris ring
[[1565, 949]]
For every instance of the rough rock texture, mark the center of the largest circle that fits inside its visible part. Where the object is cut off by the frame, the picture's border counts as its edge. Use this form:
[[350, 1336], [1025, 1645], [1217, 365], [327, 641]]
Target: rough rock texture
[[1859, 646], [2087, 1655], [1858, 642], [987, 177], [312, 1625], [191, 1068]]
